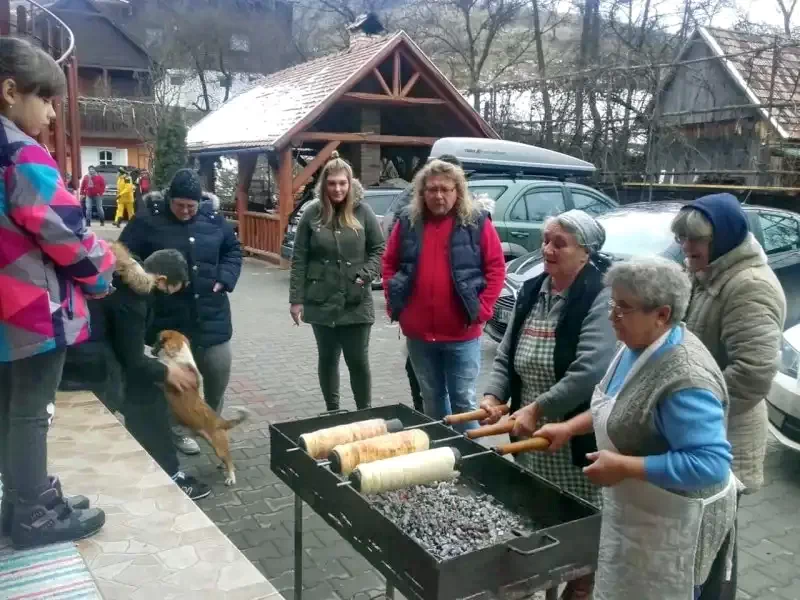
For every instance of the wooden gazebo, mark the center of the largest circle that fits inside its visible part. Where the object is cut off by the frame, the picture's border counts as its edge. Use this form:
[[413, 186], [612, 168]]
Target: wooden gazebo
[[380, 98]]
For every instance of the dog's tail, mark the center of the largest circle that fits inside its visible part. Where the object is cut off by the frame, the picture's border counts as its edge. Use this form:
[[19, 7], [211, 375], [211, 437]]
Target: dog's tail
[[242, 415]]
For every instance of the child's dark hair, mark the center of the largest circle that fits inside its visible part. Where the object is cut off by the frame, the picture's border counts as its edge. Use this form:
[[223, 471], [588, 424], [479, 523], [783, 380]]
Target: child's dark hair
[[168, 263], [31, 68]]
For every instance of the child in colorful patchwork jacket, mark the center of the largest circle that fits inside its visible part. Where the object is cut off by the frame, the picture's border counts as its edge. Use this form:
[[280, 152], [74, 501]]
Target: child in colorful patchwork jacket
[[49, 265]]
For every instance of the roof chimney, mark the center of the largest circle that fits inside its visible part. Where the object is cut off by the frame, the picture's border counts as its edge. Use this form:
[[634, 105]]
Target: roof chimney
[[364, 28]]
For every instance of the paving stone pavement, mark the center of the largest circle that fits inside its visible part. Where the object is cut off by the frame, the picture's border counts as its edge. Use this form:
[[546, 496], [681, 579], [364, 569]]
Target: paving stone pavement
[[274, 375]]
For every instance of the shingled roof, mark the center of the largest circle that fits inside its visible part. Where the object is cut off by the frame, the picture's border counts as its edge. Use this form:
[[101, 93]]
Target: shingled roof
[[750, 60], [100, 42], [283, 103]]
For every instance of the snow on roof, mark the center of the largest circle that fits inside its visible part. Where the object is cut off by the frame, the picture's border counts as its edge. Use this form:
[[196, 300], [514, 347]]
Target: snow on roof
[[259, 117]]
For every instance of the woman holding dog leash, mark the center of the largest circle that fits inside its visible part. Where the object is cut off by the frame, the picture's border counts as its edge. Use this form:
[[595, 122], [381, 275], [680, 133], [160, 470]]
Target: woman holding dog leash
[[337, 254]]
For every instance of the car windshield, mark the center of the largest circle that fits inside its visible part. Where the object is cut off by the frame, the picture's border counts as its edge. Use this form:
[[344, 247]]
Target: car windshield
[[380, 202], [637, 232]]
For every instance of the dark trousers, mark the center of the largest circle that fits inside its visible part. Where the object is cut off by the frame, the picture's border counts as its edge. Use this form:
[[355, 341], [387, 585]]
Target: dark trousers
[[149, 423], [27, 388], [413, 383], [353, 342]]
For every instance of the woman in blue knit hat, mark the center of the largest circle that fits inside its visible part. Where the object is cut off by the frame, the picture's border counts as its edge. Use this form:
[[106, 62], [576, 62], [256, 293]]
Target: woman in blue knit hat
[[202, 311]]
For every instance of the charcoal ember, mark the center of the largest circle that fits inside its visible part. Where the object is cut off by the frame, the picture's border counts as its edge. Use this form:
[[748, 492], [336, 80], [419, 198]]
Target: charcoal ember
[[451, 518]]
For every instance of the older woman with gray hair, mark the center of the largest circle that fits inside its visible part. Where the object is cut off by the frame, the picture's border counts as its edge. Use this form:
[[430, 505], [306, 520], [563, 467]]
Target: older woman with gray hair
[[669, 496], [738, 310], [555, 351]]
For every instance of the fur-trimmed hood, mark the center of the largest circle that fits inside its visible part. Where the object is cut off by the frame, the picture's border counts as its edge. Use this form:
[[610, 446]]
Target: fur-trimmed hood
[[130, 271]]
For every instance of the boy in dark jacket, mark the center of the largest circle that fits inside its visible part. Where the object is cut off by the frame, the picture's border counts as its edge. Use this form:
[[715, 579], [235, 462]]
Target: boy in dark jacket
[[127, 314]]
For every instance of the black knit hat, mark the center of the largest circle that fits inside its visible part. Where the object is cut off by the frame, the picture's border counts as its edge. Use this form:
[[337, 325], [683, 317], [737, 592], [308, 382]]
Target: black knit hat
[[186, 184]]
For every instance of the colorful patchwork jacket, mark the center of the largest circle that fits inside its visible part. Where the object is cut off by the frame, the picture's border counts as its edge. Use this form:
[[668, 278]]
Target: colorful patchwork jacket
[[48, 259]]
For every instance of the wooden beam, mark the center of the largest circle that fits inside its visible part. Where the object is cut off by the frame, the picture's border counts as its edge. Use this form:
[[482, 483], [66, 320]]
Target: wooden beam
[[397, 100], [73, 92], [285, 195], [409, 84], [60, 139], [441, 89], [308, 172], [396, 75], [247, 166], [363, 138], [382, 81]]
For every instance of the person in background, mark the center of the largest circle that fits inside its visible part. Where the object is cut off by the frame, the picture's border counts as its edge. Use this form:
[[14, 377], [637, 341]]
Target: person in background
[[201, 310], [125, 198], [93, 187], [142, 189], [443, 270], [127, 315], [663, 459], [337, 253], [738, 310], [52, 263], [413, 382]]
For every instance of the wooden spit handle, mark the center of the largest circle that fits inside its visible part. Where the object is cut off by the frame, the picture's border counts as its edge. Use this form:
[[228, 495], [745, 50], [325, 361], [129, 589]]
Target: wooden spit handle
[[497, 429], [536, 443], [475, 415]]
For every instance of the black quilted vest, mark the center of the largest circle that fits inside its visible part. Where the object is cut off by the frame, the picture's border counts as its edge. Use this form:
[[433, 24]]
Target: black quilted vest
[[465, 264]]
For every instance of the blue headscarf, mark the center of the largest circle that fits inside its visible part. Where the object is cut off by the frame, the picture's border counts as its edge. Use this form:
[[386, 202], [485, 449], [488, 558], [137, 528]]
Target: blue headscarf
[[728, 220]]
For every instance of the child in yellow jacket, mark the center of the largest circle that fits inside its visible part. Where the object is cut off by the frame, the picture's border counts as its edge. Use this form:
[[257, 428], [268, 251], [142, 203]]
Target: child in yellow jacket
[[125, 200]]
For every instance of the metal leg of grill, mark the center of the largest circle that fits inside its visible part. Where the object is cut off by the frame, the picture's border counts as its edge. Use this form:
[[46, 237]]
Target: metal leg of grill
[[298, 548], [551, 594], [389, 591]]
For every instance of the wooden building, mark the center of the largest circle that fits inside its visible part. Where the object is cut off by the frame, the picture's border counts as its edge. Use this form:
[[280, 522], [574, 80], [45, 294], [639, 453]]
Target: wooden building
[[730, 111], [380, 98]]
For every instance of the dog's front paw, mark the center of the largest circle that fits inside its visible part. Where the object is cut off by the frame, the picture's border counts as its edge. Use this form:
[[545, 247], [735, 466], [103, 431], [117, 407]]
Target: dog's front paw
[[230, 479]]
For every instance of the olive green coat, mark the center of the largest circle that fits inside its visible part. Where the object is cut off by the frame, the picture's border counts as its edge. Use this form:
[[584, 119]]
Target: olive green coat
[[326, 263]]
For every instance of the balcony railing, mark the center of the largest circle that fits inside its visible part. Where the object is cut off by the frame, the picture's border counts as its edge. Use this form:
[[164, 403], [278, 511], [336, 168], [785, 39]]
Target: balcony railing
[[33, 21], [118, 118]]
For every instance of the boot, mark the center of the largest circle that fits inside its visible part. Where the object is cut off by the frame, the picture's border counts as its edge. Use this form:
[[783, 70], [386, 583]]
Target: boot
[[7, 505], [49, 519]]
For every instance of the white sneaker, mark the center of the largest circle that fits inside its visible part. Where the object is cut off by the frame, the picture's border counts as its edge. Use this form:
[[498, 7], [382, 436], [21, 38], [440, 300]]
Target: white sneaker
[[186, 444]]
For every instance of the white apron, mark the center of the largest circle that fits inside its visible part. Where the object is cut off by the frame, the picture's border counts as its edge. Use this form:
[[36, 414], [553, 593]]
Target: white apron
[[648, 536]]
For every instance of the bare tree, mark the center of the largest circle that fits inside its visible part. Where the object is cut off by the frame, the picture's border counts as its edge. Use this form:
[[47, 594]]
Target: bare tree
[[787, 10], [482, 40]]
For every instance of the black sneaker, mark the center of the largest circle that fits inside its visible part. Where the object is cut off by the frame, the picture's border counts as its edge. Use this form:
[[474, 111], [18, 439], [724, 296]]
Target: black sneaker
[[196, 490]]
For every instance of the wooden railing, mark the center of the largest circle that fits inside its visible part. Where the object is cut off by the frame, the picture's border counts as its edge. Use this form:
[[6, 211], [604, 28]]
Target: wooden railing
[[262, 234]]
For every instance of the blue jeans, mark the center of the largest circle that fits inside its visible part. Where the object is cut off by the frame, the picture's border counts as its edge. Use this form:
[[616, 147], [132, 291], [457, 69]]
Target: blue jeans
[[447, 373]]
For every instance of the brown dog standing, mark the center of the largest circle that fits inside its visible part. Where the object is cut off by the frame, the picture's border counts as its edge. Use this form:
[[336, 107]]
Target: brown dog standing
[[189, 407]]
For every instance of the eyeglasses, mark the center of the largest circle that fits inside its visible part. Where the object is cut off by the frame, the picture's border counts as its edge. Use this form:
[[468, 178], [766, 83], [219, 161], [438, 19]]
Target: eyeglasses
[[683, 239], [618, 312], [439, 190]]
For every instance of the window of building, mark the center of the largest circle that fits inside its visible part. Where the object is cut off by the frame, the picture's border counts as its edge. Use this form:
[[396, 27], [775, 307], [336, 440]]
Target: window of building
[[177, 80], [240, 43], [105, 158]]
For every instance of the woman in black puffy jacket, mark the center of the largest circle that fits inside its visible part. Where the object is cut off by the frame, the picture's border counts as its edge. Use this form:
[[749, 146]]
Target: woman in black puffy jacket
[[202, 311]]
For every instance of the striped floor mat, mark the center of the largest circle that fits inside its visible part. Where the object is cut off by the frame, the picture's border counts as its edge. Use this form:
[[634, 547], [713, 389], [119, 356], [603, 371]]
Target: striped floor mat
[[53, 572]]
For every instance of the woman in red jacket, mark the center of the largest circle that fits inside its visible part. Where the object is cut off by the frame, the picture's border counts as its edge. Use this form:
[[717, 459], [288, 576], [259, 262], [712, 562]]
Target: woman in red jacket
[[93, 187], [443, 270]]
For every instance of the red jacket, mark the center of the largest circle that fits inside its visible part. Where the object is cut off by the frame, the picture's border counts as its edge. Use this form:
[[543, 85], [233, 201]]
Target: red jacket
[[93, 186], [434, 312]]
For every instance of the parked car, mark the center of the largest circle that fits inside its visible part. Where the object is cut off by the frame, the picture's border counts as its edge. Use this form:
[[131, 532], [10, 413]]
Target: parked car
[[378, 198], [525, 184], [783, 400], [644, 229]]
